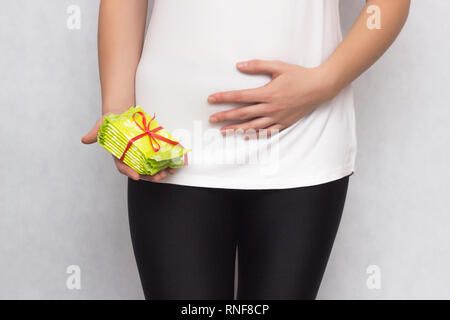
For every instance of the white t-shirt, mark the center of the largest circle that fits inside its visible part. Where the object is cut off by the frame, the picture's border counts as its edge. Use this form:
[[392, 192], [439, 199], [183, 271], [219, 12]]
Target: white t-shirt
[[190, 52]]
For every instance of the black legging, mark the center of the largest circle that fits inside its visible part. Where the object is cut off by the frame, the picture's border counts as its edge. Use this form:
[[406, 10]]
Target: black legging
[[185, 239]]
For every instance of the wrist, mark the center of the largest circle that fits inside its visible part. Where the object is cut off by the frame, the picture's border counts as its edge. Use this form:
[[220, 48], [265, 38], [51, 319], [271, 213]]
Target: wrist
[[116, 107], [331, 80]]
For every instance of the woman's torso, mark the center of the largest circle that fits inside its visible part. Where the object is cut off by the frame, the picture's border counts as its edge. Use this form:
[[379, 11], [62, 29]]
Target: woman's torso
[[191, 50]]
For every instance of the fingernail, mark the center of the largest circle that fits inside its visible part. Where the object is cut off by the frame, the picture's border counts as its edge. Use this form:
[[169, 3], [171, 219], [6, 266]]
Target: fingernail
[[212, 119], [212, 99], [242, 64]]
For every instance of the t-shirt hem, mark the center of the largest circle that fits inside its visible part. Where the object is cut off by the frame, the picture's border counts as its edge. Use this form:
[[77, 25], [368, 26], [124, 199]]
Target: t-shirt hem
[[280, 183]]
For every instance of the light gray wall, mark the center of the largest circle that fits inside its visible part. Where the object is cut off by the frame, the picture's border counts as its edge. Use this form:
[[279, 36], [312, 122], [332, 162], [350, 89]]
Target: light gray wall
[[64, 204]]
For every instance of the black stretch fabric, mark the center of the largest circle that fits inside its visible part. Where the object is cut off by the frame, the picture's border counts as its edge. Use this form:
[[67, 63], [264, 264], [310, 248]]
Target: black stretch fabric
[[185, 239]]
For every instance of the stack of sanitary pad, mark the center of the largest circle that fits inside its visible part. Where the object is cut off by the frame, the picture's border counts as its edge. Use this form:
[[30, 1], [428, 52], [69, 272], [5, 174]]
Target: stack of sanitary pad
[[140, 142]]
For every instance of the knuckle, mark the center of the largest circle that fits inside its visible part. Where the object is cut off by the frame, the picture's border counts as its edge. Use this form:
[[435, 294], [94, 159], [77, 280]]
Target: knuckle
[[242, 115], [255, 63], [271, 108], [278, 63], [236, 95]]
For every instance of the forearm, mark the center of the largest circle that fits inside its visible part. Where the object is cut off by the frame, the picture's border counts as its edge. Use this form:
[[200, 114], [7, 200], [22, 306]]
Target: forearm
[[121, 32], [362, 47]]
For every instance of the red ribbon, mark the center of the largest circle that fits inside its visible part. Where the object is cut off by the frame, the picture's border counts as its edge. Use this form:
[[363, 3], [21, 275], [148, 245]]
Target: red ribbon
[[151, 134]]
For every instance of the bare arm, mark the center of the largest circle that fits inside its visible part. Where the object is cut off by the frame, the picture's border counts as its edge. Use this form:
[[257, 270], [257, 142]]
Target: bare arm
[[295, 91], [362, 46], [121, 32]]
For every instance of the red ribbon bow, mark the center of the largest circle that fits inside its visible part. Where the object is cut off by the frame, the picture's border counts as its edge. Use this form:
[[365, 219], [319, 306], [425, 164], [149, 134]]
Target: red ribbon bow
[[150, 133]]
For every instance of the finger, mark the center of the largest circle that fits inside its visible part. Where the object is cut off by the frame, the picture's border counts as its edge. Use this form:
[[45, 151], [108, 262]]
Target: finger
[[256, 66], [239, 113], [126, 170], [91, 136], [264, 133], [253, 95], [154, 178], [171, 170], [274, 129], [248, 127]]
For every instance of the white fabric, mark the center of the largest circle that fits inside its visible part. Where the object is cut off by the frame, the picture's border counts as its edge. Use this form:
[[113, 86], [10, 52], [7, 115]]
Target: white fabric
[[190, 52]]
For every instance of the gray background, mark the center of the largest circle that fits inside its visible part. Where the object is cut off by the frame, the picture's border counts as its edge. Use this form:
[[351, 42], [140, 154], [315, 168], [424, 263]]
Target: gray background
[[63, 203]]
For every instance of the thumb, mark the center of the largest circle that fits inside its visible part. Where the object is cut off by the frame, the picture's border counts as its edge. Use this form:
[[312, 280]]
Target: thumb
[[91, 136], [272, 67]]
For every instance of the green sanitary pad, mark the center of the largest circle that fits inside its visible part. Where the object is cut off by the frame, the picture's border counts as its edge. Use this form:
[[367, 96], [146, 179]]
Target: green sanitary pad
[[155, 149]]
